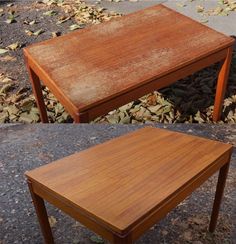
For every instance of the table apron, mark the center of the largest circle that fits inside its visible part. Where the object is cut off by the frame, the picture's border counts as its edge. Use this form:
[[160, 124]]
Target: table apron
[[149, 220], [96, 110], [178, 196], [156, 84], [73, 212]]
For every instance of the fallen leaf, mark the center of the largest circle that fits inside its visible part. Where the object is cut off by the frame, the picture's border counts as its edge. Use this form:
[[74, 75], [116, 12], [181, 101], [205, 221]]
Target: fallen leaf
[[6, 80], [27, 104], [50, 13], [52, 221], [34, 33], [62, 19], [38, 32], [10, 19], [28, 32], [13, 46], [7, 58], [75, 27], [55, 34], [6, 88], [32, 22], [200, 8], [96, 239], [181, 5], [2, 51]]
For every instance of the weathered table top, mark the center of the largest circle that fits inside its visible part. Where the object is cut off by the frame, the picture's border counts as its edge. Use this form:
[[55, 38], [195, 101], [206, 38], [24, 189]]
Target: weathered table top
[[122, 181], [95, 64]]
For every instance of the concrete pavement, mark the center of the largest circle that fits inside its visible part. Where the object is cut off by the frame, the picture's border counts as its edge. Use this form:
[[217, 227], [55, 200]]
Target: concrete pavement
[[224, 24]]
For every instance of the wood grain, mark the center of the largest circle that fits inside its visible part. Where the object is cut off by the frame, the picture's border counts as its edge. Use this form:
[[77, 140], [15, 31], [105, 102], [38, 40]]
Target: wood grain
[[123, 182], [94, 65]]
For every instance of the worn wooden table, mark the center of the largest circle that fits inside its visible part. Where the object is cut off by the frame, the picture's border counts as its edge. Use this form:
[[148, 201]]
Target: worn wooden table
[[97, 69], [120, 188]]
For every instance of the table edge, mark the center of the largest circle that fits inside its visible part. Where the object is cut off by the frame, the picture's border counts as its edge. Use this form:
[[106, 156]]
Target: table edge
[[132, 226], [76, 109]]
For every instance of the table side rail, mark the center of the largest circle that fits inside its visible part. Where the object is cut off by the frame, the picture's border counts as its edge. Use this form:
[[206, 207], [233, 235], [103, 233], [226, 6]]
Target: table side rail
[[153, 85], [72, 211], [94, 110], [179, 196], [141, 225]]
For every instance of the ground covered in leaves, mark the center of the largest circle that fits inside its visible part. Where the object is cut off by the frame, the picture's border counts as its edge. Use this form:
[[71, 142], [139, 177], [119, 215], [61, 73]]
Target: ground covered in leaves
[[189, 100]]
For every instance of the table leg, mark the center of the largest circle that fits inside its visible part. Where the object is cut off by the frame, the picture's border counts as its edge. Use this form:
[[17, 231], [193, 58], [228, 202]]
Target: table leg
[[37, 90], [82, 118], [221, 85], [218, 196], [122, 240], [42, 215]]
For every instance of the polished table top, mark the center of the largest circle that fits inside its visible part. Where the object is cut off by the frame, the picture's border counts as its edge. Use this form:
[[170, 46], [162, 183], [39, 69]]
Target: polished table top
[[123, 181]]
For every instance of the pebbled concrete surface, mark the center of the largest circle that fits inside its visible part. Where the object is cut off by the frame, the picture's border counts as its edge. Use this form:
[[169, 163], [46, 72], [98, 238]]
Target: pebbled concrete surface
[[24, 147], [224, 24]]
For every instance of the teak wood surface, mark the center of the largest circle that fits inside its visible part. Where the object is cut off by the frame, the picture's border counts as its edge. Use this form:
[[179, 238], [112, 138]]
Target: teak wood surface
[[120, 188], [97, 69]]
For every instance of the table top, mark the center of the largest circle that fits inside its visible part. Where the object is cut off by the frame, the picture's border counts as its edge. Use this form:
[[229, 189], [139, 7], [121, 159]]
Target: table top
[[124, 180], [100, 62]]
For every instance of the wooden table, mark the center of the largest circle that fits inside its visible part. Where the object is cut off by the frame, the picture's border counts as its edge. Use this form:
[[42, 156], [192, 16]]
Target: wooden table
[[97, 69], [120, 188]]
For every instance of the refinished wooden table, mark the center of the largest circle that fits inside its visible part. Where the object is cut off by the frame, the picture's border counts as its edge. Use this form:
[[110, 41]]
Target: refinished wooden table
[[97, 69], [120, 188]]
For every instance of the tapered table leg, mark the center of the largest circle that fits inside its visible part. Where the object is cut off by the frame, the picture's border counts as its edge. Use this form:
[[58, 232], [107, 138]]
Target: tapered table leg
[[42, 216], [37, 90], [221, 86], [218, 196]]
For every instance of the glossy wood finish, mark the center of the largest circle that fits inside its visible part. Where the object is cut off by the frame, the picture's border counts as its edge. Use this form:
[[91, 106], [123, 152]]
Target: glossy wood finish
[[122, 187], [219, 194], [42, 215], [89, 69]]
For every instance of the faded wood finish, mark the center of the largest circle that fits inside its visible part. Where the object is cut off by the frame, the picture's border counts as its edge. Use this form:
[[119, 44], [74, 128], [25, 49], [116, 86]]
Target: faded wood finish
[[37, 90], [221, 85], [122, 187], [93, 67]]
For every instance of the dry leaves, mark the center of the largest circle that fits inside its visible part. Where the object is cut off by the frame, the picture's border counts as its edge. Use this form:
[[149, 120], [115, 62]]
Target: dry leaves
[[14, 46], [222, 8], [34, 33], [52, 221], [3, 50], [96, 239]]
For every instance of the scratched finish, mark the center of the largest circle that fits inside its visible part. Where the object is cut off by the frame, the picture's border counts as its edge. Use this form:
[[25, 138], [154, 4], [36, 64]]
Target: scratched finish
[[122, 181], [95, 64]]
